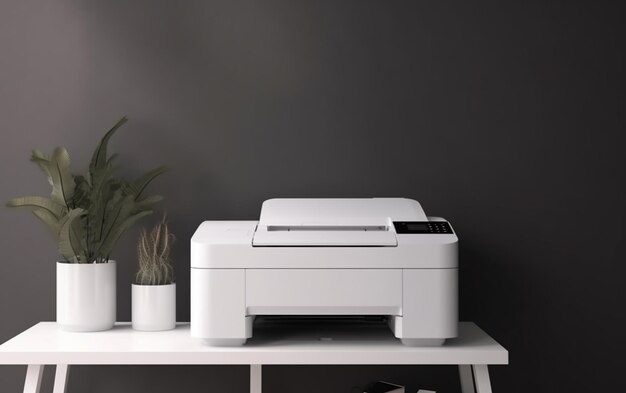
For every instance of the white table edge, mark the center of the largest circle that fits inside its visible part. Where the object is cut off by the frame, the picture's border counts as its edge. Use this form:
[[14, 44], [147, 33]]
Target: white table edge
[[473, 372]]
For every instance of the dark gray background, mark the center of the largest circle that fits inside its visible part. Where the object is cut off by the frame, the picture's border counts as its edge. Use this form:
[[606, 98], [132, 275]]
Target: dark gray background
[[507, 118]]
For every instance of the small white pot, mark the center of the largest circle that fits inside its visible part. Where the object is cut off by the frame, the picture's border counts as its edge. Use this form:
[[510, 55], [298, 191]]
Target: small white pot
[[86, 296], [154, 307]]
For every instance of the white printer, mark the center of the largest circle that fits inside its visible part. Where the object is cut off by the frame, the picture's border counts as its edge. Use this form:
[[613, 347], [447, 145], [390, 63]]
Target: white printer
[[326, 257]]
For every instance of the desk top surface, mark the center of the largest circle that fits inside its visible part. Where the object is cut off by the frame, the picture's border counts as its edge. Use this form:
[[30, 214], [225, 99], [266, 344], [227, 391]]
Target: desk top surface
[[45, 343]]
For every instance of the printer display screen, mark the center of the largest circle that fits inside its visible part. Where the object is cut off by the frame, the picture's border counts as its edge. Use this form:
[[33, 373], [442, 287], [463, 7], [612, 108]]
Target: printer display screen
[[404, 227], [417, 226]]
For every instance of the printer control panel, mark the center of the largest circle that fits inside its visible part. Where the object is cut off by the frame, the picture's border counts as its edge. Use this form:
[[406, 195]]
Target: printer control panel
[[434, 227]]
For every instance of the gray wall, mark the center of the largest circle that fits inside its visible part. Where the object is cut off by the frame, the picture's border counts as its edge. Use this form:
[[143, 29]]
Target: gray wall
[[507, 118]]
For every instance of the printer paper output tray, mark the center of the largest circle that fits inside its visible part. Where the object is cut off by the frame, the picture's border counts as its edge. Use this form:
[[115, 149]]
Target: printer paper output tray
[[325, 236]]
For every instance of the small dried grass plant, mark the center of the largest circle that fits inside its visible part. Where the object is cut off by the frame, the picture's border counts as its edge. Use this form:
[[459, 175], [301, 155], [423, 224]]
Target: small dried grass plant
[[153, 255]]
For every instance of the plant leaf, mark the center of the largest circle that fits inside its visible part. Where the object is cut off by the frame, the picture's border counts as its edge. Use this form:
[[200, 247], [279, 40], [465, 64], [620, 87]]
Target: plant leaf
[[102, 195], [78, 236], [112, 158], [121, 208], [63, 184], [103, 204], [49, 220], [116, 208], [68, 246], [147, 202], [118, 230], [138, 186], [82, 193], [99, 158], [43, 162], [37, 202]]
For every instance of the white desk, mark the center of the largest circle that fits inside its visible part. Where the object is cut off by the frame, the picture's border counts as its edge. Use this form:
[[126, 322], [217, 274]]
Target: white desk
[[45, 344]]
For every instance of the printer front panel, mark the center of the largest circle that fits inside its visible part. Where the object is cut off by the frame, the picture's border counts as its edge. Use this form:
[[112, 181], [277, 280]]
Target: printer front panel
[[324, 291]]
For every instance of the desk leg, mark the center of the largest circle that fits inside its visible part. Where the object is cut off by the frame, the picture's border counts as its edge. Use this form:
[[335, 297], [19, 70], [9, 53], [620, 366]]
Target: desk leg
[[481, 377], [34, 372], [256, 383], [467, 379], [60, 378]]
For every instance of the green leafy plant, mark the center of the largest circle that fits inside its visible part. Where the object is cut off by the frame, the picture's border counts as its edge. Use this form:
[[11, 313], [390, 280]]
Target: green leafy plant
[[153, 255], [88, 214]]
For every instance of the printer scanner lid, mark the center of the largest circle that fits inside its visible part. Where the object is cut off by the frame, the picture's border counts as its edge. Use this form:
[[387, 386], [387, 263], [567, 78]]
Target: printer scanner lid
[[333, 222]]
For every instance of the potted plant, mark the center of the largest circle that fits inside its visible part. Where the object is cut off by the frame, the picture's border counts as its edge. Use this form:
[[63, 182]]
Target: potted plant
[[154, 289], [87, 215]]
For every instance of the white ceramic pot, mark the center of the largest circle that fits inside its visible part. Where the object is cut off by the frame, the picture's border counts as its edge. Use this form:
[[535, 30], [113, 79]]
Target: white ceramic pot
[[154, 307], [86, 296]]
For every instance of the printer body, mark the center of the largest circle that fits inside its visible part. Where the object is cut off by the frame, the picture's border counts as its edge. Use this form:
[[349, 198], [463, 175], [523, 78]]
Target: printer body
[[326, 257]]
